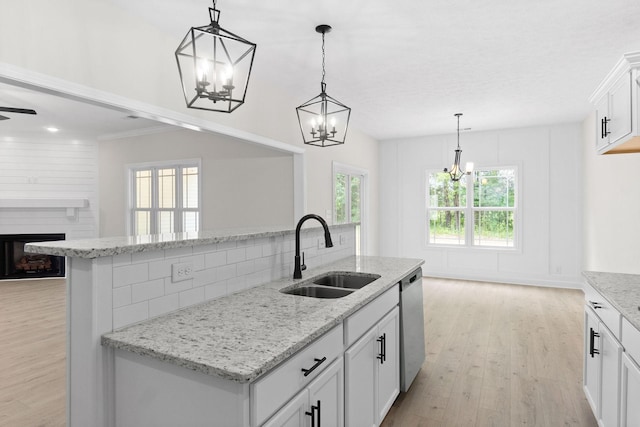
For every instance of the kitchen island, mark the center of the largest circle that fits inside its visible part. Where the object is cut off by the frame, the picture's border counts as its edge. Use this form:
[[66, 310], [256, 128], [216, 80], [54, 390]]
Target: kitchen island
[[121, 291]]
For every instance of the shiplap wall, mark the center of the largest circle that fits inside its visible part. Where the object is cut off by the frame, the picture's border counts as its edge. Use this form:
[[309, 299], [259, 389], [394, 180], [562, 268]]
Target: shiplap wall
[[49, 169]]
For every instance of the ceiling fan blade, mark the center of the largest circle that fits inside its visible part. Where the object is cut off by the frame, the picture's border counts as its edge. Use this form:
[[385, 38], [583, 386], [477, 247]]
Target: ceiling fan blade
[[4, 118], [18, 110]]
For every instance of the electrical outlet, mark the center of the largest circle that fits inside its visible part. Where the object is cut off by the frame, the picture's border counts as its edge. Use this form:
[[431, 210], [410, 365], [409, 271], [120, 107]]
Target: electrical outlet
[[321, 244], [343, 239], [181, 271]]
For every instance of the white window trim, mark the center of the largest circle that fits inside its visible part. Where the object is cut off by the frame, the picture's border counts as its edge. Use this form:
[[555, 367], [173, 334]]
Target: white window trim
[[129, 168], [469, 209], [337, 167]]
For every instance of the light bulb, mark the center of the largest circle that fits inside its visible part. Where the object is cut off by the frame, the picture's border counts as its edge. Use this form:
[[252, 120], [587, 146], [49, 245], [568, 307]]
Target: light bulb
[[469, 167], [333, 122], [203, 68]]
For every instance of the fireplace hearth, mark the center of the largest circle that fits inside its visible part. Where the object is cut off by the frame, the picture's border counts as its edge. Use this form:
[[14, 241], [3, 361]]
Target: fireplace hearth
[[16, 264]]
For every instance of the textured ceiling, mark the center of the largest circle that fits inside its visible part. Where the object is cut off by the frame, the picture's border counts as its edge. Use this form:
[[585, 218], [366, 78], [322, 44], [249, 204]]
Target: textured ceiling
[[405, 67]]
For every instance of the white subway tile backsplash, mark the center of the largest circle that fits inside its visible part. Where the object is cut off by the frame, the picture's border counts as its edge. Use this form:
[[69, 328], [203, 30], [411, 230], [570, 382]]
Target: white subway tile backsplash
[[142, 285], [236, 255], [147, 290], [159, 269], [172, 288], [129, 274], [129, 314], [178, 252], [215, 259], [121, 296], [191, 297], [164, 305]]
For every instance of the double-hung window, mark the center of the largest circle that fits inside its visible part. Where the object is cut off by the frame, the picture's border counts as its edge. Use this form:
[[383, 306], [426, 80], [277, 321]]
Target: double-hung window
[[165, 198], [480, 210]]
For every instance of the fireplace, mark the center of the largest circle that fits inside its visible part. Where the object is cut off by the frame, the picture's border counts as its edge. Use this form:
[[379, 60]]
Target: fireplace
[[16, 264]]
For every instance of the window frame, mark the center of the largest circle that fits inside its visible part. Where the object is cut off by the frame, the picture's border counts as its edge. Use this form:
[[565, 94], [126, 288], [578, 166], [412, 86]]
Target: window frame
[[178, 165], [349, 171], [469, 211]]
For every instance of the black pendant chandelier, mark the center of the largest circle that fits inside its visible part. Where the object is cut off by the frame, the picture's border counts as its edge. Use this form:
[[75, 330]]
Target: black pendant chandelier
[[323, 120], [456, 172], [214, 66]]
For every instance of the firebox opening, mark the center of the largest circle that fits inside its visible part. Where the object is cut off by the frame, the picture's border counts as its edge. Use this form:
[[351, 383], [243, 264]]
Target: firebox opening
[[15, 263]]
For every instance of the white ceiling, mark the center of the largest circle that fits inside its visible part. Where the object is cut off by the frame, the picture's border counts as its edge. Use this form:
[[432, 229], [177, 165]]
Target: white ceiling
[[405, 67]]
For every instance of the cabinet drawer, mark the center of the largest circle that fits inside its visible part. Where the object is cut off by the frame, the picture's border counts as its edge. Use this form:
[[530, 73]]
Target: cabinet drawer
[[274, 390], [605, 311], [362, 320], [631, 340]]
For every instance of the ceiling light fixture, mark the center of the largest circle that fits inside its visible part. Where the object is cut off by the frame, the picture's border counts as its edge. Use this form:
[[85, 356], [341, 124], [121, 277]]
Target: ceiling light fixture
[[214, 66], [456, 173], [323, 120], [52, 129]]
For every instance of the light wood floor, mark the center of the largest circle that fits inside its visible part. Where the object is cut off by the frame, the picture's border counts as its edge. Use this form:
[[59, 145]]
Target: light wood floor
[[498, 355], [32, 353]]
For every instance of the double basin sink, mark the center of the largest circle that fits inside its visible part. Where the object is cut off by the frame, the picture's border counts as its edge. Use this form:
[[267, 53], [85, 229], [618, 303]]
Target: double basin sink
[[332, 285]]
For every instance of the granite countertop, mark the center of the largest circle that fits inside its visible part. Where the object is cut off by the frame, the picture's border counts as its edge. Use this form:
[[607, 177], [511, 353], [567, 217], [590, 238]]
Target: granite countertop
[[242, 336], [621, 290], [109, 246]]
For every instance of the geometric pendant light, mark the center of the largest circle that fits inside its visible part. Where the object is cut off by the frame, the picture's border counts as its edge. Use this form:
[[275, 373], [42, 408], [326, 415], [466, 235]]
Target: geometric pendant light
[[214, 66], [456, 173]]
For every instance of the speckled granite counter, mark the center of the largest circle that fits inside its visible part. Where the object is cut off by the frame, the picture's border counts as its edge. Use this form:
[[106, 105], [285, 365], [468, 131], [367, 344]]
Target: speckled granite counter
[[244, 335], [621, 290], [109, 246]]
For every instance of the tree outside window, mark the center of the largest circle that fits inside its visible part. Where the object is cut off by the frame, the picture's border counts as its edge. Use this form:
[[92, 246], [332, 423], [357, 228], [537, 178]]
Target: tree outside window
[[479, 210]]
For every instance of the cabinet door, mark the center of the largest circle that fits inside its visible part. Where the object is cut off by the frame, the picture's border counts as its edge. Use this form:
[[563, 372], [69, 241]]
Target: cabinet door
[[389, 366], [620, 109], [610, 360], [591, 380], [630, 410], [293, 414], [326, 396], [602, 112], [361, 381]]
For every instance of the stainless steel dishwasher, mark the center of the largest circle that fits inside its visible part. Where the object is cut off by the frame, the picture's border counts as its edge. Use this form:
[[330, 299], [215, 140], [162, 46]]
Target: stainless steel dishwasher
[[412, 351]]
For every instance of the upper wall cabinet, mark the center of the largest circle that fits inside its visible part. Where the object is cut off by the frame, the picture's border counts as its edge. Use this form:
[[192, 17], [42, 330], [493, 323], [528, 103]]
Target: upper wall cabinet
[[616, 101]]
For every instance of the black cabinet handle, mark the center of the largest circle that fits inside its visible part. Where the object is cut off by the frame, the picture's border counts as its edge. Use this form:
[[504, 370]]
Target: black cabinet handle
[[592, 341], [602, 127], [312, 414], [605, 131], [595, 305], [382, 357], [311, 369]]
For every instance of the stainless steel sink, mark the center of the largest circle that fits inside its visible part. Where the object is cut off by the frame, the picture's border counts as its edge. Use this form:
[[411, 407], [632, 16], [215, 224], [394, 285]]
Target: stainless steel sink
[[318, 292], [335, 284], [346, 280]]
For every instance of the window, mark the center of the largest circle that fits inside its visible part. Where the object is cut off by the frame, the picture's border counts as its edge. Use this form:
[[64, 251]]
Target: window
[[348, 199], [479, 210], [165, 198]]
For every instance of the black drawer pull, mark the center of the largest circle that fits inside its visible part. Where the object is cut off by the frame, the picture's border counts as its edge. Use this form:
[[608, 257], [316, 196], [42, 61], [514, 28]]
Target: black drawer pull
[[595, 305], [592, 341], [311, 369]]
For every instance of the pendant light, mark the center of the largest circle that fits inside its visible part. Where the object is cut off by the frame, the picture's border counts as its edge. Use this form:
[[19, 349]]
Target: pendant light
[[214, 66], [323, 120], [456, 173]]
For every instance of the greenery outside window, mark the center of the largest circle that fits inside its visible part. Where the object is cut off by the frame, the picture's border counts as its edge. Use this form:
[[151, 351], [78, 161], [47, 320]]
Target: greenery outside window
[[349, 204], [165, 198], [480, 210]]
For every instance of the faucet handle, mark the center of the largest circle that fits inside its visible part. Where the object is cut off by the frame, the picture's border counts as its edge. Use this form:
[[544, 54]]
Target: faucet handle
[[303, 266]]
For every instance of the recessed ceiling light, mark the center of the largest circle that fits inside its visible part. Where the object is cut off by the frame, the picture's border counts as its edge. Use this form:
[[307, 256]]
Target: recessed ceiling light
[[52, 129]]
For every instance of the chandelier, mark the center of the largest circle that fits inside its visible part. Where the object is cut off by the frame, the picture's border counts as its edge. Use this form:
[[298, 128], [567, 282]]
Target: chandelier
[[323, 120], [456, 173], [214, 66]]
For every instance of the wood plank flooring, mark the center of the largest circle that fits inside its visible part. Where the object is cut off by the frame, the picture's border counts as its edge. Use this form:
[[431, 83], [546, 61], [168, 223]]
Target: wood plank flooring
[[497, 355], [32, 353]]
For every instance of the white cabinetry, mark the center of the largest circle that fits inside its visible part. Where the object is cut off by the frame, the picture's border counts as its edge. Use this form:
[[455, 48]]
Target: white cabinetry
[[630, 387], [602, 358], [372, 370], [616, 104], [321, 403]]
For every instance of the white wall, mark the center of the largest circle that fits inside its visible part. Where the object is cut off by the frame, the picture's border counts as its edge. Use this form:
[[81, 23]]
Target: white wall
[[611, 207], [548, 160], [242, 184], [51, 169], [89, 42]]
